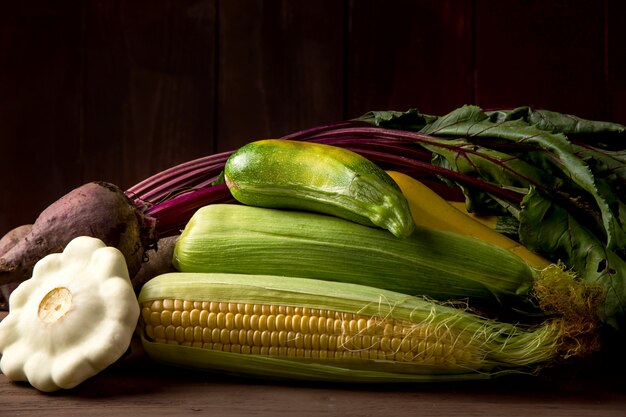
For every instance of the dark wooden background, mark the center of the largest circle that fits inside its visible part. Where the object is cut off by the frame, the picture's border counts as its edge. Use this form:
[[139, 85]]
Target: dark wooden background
[[118, 90]]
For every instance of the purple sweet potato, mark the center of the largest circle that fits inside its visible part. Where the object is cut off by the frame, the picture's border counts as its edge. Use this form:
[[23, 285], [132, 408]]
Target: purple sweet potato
[[13, 236], [6, 243], [96, 209]]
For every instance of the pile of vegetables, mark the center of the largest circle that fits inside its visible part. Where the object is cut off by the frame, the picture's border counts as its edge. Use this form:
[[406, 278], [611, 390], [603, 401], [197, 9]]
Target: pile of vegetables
[[348, 238]]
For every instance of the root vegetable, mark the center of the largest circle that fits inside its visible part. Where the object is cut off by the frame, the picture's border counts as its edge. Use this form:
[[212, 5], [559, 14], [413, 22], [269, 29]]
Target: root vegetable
[[6, 243], [13, 236], [96, 209], [159, 261]]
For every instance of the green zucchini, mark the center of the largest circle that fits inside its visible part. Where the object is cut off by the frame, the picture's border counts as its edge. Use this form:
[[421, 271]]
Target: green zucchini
[[315, 177]]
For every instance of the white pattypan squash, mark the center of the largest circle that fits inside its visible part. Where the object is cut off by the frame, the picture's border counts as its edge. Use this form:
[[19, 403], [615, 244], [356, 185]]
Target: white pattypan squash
[[73, 318]]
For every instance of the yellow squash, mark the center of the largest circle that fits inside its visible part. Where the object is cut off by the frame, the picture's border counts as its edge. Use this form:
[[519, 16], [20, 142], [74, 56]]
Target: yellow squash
[[431, 210]]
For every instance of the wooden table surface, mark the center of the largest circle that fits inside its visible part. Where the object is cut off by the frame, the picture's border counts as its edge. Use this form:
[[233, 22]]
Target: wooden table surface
[[136, 386]]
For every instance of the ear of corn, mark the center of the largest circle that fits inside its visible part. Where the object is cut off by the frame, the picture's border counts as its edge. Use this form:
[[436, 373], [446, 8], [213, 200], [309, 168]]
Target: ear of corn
[[441, 265], [274, 326]]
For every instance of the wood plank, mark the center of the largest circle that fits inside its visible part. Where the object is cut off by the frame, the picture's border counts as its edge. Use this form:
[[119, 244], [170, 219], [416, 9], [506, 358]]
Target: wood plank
[[149, 87], [39, 106], [616, 60], [543, 54], [280, 68], [409, 54], [136, 386]]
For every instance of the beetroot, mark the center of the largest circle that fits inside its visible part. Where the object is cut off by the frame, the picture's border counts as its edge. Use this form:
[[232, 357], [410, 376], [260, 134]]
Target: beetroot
[[96, 209]]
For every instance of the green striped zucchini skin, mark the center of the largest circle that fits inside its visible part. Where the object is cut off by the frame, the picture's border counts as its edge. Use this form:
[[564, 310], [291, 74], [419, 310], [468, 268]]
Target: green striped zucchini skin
[[315, 177]]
